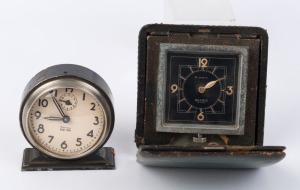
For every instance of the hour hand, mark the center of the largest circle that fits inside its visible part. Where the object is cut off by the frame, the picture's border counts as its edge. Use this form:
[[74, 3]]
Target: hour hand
[[67, 102], [208, 85], [53, 118]]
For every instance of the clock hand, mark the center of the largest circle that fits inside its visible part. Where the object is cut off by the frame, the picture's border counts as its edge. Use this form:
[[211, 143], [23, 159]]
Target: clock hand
[[209, 85], [65, 118], [53, 118], [67, 102]]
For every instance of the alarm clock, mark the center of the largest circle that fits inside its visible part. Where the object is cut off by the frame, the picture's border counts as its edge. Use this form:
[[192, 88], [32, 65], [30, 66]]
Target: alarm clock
[[67, 115], [201, 97]]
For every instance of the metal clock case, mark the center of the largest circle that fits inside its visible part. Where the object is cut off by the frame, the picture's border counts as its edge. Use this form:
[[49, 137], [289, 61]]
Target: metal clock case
[[201, 97], [67, 115]]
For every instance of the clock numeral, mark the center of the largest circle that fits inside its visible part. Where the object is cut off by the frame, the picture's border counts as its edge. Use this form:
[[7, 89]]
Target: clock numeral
[[202, 62], [69, 89], [43, 103], [37, 114], [201, 116], [79, 143], [174, 88], [90, 134], [93, 106], [229, 90], [41, 128], [54, 93], [83, 96], [51, 138], [96, 121], [64, 145]]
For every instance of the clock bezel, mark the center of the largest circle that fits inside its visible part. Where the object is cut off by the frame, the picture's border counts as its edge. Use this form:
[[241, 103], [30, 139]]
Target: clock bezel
[[235, 129]]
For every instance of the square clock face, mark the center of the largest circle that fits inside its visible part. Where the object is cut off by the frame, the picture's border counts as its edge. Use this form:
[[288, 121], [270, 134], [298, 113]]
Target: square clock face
[[201, 89]]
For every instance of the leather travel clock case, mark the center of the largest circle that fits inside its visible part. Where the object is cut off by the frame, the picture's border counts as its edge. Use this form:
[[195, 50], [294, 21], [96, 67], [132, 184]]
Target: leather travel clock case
[[201, 97]]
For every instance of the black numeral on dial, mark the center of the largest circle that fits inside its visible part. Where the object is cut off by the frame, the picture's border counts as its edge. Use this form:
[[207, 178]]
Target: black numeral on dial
[[37, 114], [51, 138], [90, 134], [41, 128], [79, 143], [64, 145], [69, 90], [43, 103], [93, 106], [96, 121]]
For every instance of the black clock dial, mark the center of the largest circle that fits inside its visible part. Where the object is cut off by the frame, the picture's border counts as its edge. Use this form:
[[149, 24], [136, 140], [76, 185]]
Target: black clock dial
[[201, 88]]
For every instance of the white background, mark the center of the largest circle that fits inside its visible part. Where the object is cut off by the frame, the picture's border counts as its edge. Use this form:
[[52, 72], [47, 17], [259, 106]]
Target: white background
[[103, 36]]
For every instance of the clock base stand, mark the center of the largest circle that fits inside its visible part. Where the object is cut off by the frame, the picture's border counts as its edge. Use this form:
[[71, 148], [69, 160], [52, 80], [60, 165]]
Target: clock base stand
[[103, 159]]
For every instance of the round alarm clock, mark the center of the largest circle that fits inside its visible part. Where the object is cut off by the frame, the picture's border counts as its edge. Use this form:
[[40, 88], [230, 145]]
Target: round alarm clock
[[67, 111]]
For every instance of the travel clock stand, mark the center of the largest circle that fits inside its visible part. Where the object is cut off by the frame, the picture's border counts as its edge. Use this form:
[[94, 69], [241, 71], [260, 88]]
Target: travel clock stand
[[196, 107]]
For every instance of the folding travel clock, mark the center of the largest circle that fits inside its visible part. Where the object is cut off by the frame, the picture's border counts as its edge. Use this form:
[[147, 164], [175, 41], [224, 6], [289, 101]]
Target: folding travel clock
[[201, 97]]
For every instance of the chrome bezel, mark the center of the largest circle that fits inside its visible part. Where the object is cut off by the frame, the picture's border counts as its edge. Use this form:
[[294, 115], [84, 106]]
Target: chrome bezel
[[238, 127]]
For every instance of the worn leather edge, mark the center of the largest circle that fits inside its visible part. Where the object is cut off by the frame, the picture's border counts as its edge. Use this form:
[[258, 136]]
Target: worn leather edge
[[250, 158]]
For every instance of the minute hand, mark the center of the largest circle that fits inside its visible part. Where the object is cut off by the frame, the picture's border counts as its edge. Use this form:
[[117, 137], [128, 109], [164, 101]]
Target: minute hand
[[210, 84], [65, 118]]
